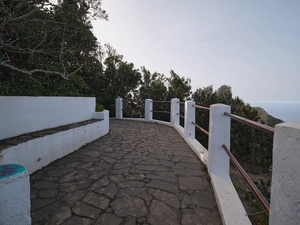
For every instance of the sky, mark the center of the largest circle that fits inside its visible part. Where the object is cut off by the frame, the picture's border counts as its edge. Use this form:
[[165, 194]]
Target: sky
[[252, 46]]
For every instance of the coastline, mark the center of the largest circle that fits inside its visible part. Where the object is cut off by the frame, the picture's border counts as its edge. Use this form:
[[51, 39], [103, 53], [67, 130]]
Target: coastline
[[286, 111]]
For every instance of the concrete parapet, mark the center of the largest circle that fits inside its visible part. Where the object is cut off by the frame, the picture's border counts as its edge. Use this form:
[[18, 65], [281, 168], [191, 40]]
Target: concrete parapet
[[25, 114], [14, 195], [285, 197]]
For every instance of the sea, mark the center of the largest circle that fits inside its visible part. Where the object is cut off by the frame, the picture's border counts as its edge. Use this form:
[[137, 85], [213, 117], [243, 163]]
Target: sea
[[286, 111]]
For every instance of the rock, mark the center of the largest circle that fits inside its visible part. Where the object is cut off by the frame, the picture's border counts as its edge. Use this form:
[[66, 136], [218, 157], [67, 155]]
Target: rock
[[167, 198], [77, 220], [59, 216], [190, 219], [224, 89], [108, 218], [163, 185], [192, 183], [83, 209], [96, 200], [129, 206], [160, 213], [48, 193]]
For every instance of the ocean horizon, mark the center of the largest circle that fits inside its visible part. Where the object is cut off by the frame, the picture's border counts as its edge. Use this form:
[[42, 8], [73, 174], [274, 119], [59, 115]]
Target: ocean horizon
[[286, 111]]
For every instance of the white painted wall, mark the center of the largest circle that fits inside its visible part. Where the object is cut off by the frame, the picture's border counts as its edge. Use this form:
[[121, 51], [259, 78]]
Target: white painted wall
[[15, 200], [22, 114], [37, 153], [285, 192]]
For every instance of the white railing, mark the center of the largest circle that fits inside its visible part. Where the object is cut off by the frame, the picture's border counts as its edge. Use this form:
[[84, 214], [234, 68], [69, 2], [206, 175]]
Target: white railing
[[285, 198]]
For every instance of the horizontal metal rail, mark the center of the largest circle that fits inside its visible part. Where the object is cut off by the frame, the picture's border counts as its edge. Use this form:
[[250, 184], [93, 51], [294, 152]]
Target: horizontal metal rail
[[161, 101], [182, 103], [253, 187], [180, 115], [128, 109], [262, 127], [200, 128], [200, 107], [160, 111]]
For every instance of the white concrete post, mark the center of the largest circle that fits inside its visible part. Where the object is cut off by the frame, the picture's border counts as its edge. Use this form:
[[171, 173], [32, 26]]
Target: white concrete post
[[189, 117], [119, 108], [219, 134], [148, 109], [285, 192], [14, 195], [175, 106]]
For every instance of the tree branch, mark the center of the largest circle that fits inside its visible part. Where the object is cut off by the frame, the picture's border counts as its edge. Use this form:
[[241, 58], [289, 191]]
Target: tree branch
[[27, 14], [30, 72]]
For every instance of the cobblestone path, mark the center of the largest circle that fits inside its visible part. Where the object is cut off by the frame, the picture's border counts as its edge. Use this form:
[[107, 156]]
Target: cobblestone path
[[139, 173]]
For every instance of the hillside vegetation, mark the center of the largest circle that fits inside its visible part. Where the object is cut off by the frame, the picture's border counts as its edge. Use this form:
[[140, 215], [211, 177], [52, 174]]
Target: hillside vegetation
[[49, 49], [267, 118]]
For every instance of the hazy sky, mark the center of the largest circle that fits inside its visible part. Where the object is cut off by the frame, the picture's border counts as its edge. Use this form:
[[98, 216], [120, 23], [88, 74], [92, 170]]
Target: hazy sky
[[252, 46]]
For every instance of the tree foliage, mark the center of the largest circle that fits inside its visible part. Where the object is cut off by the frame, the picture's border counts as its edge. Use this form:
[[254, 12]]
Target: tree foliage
[[247, 144], [49, 49]]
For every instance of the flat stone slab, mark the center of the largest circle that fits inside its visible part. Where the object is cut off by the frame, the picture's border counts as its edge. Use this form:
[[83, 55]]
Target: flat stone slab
[[129, 206], [139, 173], [160, 213], [192, 183]]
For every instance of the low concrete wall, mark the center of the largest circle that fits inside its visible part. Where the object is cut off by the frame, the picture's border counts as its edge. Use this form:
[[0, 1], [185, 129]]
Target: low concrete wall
[[285, 197], [39, 152], [23, 114], [14, 195]]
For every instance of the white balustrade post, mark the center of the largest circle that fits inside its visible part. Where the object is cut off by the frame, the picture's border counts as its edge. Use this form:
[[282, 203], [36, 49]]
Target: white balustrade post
[[148, 109], [219, 134], [14, 195], [119, 108], [189, 117], [285, 193], [175, 106]]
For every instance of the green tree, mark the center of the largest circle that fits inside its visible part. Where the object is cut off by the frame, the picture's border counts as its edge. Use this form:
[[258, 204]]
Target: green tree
[[46, 48], [178, 87], [119, 79], [247, 143]]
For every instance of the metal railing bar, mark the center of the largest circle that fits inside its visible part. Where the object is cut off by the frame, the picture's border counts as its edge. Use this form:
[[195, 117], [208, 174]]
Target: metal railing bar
[[126, 109], [255, 214], [201, 107], [130, 100], [180, 115], [262, 127], [160, 101], [200, 128], [160, 111], [182, 103], [255, 190]]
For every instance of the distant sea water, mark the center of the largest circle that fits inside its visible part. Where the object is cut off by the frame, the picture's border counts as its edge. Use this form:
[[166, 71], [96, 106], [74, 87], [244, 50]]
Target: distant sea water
[[286, 111]]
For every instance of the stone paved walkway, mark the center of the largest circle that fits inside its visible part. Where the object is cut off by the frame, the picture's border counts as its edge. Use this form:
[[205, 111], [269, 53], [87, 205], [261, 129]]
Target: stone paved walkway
[[140, 173]]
